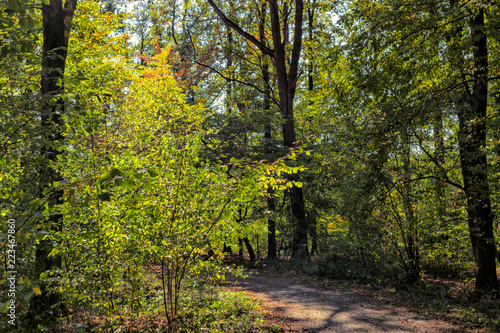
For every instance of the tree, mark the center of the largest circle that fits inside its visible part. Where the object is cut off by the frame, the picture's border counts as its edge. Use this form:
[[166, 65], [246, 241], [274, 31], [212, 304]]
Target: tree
[[57, 18], [392, 42], [472, 141], [287, 70]]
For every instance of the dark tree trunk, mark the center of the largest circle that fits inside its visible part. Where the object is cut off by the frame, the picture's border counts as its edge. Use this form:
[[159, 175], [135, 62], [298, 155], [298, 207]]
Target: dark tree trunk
[[227, 249], [240, 249], [271, 205], [310, 87], [472, 144], [412, 248], [229, 64], [313, 231], [56, 27], [287, 84], [271, 226], [250, 250], [439, 189], [287, 76]]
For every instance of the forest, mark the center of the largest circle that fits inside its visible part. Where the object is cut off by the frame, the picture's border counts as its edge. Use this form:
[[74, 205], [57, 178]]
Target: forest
[[150, 149]]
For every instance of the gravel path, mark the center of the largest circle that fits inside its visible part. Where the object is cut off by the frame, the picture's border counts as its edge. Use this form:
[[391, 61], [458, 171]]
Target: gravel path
[[297, 307]]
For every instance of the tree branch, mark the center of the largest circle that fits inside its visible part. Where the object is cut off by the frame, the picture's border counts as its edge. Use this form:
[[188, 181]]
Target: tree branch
[[229, 79], [239, 30], [436, 162], [297, 43]]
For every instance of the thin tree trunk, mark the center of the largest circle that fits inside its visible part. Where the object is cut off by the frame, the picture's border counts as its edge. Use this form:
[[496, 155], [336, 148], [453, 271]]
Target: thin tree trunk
[[229, 64], [439, 192], [313, 231], [271, 226], [250, 250], [240, 249], [412, 250], [310, 87], [271, 204]]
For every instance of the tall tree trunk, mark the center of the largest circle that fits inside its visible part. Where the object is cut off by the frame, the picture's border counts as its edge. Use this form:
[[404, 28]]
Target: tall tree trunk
[[287, 84], [472, 144], [310, 87], [271, 204], [412, 249], [439, 192], [287, 76], [229, 64], [56, 28]]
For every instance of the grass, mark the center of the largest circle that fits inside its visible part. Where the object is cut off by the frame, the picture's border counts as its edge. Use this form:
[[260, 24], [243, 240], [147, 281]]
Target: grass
[[204, 307]]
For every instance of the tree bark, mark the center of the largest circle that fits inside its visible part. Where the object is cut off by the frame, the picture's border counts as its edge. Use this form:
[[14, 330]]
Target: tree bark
[[313, 231], [56, 28], [412, 249], [472, 144], [287, 81], [250, 250], [271, 226], [439, 192], [271, 204]]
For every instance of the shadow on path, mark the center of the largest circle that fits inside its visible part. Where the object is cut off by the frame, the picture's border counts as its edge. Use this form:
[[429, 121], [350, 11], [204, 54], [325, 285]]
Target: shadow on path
[[301, 308]]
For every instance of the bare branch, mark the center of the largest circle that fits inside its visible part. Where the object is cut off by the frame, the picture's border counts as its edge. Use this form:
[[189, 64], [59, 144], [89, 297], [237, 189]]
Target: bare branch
[[238, 81], [297, 43], [436, 162], [239, 30]]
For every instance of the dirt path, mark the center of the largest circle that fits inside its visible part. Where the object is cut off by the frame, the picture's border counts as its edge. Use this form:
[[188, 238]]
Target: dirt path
[[297, 307]]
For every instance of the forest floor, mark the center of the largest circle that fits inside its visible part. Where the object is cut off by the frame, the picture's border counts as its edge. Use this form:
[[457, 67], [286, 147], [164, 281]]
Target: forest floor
[[299, 305]]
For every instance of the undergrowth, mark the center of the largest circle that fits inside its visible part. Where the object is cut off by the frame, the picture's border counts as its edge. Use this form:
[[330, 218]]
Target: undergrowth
[[204, 307]]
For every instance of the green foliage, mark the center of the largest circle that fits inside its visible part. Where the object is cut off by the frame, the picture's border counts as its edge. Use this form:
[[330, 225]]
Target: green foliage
[[220, 311], [154, 180], [138, 194]]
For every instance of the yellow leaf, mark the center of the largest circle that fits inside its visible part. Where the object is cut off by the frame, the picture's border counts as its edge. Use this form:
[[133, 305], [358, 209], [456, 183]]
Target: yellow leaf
[[37, 291], [21, 281]]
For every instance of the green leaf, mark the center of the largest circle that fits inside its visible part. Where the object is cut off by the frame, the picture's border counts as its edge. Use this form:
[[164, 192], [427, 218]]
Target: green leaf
[[54, 252], [152, 172], [128, 184]]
